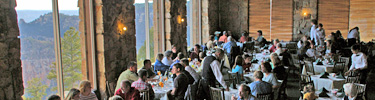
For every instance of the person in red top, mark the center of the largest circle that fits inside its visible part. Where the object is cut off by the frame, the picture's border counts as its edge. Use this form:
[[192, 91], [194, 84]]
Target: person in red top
[[247, 63], [224, 37], [127, 92], [244, 37], [273, 48]]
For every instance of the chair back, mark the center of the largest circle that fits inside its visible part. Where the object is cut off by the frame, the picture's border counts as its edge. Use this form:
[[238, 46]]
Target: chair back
[[353, 77], [267, 96], [305, 80], [281, 95], [248, 46], [346, 60], [191, 91], [339, 67], [217, 93], [309, 67], [361, 90], [145, 94], [295, 58]]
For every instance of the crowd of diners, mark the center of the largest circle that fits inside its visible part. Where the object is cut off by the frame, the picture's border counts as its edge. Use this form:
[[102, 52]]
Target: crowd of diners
[[204, 64]]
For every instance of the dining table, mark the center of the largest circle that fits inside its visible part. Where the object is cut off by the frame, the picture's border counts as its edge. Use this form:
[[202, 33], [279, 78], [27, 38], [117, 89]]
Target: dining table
[[161, 92], [323, 68], [329, 83]]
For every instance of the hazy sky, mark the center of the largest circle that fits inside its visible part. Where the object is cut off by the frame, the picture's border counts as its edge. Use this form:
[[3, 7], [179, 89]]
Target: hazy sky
[[47, 4]]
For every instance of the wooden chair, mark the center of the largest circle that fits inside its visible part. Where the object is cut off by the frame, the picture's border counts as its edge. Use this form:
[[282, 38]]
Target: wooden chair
[[268, 96], [217, 93], [305, 80], [292, 47], [296, 62], [145, 94], [309, 68], [109, 89], [346, 60], [281, 93], [192, 90], [353, 77], [361, 90], [339, 67]]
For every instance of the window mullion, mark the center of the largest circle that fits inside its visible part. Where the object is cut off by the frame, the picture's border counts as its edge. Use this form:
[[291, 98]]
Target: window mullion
[[56, 31], [147, 30]]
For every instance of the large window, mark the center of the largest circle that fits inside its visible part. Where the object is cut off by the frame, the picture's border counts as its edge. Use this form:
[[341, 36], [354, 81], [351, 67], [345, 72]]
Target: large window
[[39, 50], [144, 31], [189, 20]]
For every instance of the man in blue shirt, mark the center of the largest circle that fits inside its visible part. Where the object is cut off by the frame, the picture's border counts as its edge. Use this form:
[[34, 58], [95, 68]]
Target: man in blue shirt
[[159, 66], [178, 59], [259, 86], [227, 46]]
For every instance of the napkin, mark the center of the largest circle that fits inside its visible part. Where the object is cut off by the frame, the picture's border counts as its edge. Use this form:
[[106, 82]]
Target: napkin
[[341, 90], [342, 95], [323, 90], [323, 94], [319, 63], [340, 76], [254, 61], [324, 75]]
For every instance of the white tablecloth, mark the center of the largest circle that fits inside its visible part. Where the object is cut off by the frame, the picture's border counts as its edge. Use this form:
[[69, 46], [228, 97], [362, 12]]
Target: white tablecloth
[[321, 68], [328, 83], [250, 76], [228, 94], [161, 92]]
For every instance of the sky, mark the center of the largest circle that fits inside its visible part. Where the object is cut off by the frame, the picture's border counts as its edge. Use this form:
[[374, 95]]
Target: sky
[[47, 4]]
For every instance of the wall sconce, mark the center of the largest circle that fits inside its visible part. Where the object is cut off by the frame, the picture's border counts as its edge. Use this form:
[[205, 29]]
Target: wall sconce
[[305, 14], [124, 29], [182, 19]]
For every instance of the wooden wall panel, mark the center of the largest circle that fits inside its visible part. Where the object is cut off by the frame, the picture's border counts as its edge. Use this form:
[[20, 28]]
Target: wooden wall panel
[[362, 14], [282, 20], [259, 18], [334, 15]]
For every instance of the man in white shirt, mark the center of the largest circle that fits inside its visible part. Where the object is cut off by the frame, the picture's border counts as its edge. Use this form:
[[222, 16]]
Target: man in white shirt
[[313, 33], [353, 36], [359, 62], [211, 72], [193, 73]]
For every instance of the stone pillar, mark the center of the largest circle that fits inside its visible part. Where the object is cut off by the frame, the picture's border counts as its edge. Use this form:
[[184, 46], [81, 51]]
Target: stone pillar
[[301, 22], [11, 84], [210, 18], [234, 16], [177, 24], [117, 44]]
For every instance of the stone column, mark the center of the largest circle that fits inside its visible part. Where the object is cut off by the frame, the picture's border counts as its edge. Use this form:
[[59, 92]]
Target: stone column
[[118, 45], [11, 84], [210, 18], [177, 30], [301, 22]]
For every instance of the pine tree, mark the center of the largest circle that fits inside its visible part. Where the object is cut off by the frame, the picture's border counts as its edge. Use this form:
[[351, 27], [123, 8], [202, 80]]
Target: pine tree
[[36, 89], [71, 60]]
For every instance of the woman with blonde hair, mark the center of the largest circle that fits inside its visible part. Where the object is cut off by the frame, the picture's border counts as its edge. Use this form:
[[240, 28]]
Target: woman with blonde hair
[[73, 94], [277, 66], [86, 93]]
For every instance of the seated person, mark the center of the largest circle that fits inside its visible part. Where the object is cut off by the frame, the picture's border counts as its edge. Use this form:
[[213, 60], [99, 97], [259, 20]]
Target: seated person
[[278, 50], [259, 86], [268, 75], [54, 97], [244, 93], [260, 41], [244, 37], [301, 42], [129, 74], [73, 94], [193, 73], [228, 46], [159, 66], [330, 49], [195, 54], [86, 92], [147, 67], [247, 63], [350, 92], [210, 43], [309, 93], [311, 51], [302, 51], [237, 68], [224, 37], [141, 83], [277, 66], [179, 84], [127, 92], [273, 47], [116, 97], [217, 35], [178, 59], [167, 60]]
